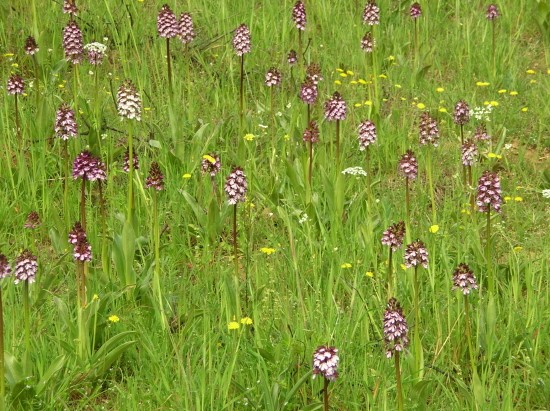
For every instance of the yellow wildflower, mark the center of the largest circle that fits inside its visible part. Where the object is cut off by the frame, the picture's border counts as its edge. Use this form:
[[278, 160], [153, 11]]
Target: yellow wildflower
[[397, 85], [350, 73], [442, 109], [95, 297], [186, 176], [494, 103], [233, 325], [353, 82], [369, 274], [514, 93], [337, 82], [368, 103], [339, 70], [533, 82], [493, 155], [346, 265], [246, 321], [440, 89], [362, 81], [249, 137], [267, 250], [382, 76], [525, 109], [518, 199], [434, 229], [530, 71], [518, 248], [507, 198], [482, 84], [357, 104], [403, 266], [421, 106], [502, 91], [114, 318], [209, 158], [343, 75]]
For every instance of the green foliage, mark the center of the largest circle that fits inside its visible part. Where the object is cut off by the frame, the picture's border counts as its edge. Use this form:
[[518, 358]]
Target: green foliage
[[311, 268]]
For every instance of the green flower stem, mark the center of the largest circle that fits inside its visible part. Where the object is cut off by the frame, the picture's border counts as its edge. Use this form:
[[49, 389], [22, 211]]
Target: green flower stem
[[17, 122], [469, 333], [241, 94], [37, 81], [310, 168], [407, 201], [390, 277], [83, 203], [65, 156], [2, 379], [169, 66], [494, 49], [156, 273], [491, 279], [27, 322], [325, 395], [103, 218], [429, 170], [130, 205], [235, 247], [337, 143], [398, 382]]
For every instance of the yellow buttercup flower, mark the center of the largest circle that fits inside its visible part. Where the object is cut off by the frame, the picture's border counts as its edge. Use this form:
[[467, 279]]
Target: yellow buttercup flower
[[114, 318], [525, 109], [434, 229], [442, 109], [346, 265], [353, 82], [249, 137], [362, 81], [530, 71], [267, 250], [518, 199], [514, 93], [95, 297], [518, 248], [502, 91], [350, 73], [421, 106], [339, 70], [440, 89], [246, 321], [337, 82], [368, 103], [369, 274], [493, 155], [357, 104], [186, 176], [343, 75]]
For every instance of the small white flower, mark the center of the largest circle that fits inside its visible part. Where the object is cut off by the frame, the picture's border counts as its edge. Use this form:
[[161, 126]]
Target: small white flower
[[507, 146], [303, 218], [355, 171], [546, 193]]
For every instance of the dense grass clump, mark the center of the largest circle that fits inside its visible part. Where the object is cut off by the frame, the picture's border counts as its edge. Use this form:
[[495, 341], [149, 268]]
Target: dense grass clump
[[204, 212]]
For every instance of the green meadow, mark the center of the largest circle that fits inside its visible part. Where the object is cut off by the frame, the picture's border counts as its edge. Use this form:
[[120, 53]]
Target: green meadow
[[191, 302]]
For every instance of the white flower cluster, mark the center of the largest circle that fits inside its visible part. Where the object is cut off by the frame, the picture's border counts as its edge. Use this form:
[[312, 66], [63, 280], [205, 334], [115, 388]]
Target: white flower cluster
[[355, 171], [96, 47], [546, 193], [482, 113]]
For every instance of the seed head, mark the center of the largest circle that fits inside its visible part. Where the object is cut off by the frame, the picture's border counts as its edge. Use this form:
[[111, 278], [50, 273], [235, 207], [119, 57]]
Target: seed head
[[88, 167], [299, 15], [128, 101], [371, 14], [313, 72], [368, 42], [367, 134], [25, 267], [273, 77], [396, 329], [241, 40], [69, 7], [31, 48], [469, 152], [156, 178], [15, 85], [325, 362], [33, 221], [308, 91], [416, 254], [167, 24], [96, 52], [65, 122], [311, 133], [415, 10], [481, 133], [492, 12], [5, 269], [126, 166], [292, 57], [209, 166], [186, 28], [408, 165], [428, 130], [464, 279], [72, 42], [489, 193], [335, 108], [462, 113], [393, 236], [76, 234], [236, 186]]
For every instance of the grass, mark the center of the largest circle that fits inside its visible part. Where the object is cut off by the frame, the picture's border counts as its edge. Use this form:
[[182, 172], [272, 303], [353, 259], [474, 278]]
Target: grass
[[312, 289]]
